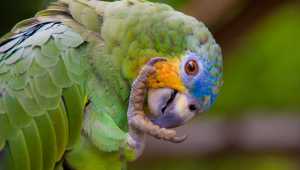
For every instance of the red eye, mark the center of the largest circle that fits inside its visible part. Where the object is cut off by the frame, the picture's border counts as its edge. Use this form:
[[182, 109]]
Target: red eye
[[191, 67]]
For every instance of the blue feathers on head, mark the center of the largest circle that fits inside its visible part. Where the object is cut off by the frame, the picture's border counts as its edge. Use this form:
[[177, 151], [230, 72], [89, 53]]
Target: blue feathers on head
[[205, 85]]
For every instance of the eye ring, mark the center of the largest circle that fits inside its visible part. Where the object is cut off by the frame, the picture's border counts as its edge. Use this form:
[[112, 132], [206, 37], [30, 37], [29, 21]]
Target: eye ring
[[191, 67]]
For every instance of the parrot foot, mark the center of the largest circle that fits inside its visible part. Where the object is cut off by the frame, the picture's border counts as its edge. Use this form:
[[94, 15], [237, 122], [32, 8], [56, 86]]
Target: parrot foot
[[142, 123], [139, 124]]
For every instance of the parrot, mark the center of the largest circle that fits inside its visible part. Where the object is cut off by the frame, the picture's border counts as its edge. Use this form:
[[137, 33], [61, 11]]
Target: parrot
[[84, 81]]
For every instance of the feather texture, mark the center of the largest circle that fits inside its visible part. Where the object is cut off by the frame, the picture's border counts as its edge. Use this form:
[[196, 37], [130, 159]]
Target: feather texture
[[35, 123]]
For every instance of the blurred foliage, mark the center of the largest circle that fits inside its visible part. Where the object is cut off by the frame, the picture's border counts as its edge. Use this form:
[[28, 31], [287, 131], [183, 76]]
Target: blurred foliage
[[12, 11], [226, 162], [263, 72]]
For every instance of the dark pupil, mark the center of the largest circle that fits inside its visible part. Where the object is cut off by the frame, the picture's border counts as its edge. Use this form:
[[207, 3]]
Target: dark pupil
[[191, 66]]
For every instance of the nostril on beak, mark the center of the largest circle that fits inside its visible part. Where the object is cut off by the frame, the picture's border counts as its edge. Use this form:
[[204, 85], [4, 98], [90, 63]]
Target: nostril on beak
[[192, 107]]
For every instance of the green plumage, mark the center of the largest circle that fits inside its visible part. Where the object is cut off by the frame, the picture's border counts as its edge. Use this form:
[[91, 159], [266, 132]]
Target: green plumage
[[77, 50], [42, 107]]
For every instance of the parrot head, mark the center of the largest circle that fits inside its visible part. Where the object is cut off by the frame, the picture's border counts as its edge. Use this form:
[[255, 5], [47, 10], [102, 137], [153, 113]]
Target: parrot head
[[182, 87], [187, 82]]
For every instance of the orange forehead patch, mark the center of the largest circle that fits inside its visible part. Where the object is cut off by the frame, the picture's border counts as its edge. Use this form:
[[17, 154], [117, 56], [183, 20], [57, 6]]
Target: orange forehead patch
[[166, 75]]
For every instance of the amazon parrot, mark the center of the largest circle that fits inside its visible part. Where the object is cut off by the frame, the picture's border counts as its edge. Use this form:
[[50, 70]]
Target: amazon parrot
[[84, 81]]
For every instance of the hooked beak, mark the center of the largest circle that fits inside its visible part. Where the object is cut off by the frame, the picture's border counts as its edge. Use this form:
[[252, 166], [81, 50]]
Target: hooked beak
[[170, 108]]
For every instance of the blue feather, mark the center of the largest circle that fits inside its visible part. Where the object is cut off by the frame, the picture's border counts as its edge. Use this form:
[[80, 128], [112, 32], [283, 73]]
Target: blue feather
[[203, 86]]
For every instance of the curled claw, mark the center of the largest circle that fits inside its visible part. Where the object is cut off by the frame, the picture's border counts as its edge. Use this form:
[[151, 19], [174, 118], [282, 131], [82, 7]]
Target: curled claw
[[167, 135], [155, 60], [178, 139], [143, 124]]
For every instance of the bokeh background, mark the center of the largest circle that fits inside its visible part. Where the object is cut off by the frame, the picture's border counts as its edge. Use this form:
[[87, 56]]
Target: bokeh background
[[255, 124]]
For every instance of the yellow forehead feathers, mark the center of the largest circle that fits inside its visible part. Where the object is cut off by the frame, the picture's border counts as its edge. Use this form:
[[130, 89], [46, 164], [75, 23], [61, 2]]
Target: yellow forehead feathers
[[166, 75]]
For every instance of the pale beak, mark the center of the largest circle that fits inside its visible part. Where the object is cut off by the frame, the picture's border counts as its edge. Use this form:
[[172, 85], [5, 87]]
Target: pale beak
[[170, 108]]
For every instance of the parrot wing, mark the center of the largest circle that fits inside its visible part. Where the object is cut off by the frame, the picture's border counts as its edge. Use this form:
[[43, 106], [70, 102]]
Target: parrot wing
[[41, 95]]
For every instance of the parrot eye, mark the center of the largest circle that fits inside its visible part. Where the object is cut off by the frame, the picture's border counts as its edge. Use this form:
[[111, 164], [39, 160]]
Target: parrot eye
[[191, 67]]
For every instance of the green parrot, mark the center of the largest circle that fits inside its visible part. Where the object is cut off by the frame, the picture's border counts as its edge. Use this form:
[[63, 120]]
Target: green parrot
[[84, 81]]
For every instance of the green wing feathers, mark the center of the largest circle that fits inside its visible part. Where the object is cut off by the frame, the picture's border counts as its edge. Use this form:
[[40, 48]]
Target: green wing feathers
[[41, 76]]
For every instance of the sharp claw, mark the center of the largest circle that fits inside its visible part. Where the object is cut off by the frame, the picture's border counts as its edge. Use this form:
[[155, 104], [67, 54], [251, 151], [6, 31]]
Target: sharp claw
[[142, 123], [178, 139], [152, 61], [149, 69]]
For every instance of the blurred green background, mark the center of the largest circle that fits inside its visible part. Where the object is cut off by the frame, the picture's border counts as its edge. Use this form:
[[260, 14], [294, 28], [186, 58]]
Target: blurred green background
[[260, 42]]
